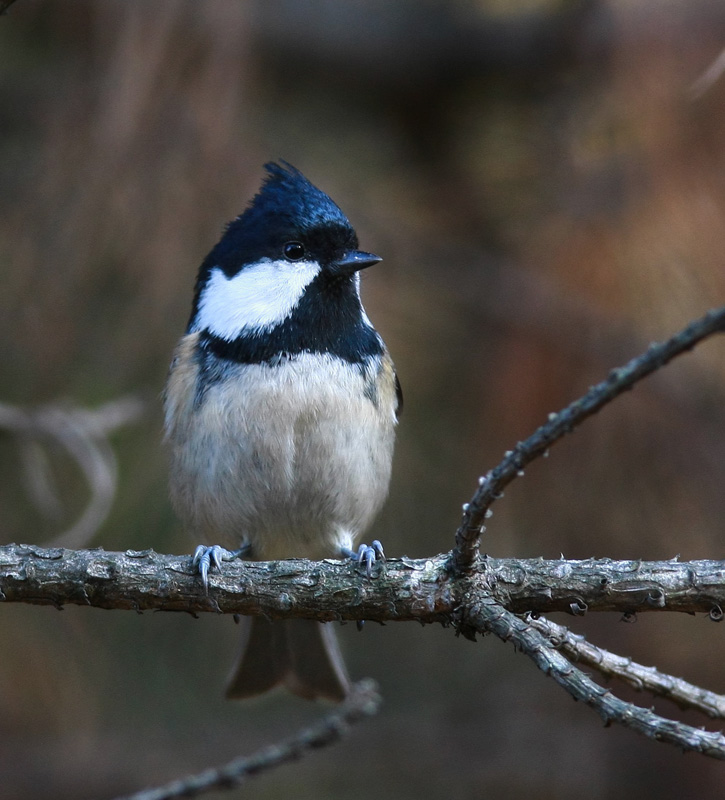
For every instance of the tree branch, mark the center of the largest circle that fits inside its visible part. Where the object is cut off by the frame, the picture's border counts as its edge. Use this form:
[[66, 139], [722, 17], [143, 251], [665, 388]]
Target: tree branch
[[83, 434], [485, 615], [477, 596], [404, 589], [363, 701], [400, 590], [577, 648], [490, 486]]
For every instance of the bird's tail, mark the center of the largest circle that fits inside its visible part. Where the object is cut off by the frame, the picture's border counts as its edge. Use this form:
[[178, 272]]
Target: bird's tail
[[302, 655]]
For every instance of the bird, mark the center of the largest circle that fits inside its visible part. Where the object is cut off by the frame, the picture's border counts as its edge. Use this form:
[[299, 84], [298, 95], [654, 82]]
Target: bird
[[280, 411]]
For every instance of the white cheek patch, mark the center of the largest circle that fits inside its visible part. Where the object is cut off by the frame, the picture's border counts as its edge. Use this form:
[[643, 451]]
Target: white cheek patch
[[258, 298]]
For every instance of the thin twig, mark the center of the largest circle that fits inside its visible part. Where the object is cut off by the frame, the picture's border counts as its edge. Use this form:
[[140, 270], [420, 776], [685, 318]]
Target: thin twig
[[491, 485], [363, 701], [485, 615], [576, 647]]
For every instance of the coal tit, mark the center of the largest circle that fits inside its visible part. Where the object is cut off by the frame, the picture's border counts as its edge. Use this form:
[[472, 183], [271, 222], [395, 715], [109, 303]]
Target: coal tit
[[280, 413]]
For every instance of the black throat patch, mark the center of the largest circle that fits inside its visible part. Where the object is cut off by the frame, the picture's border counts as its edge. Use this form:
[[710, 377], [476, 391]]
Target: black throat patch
[[328, 320]]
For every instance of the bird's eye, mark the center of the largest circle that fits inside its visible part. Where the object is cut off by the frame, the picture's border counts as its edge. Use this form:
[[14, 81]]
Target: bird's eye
[[294, 251]]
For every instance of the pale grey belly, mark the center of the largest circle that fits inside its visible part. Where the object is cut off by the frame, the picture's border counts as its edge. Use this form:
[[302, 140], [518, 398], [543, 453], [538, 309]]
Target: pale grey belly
[[294, 461]]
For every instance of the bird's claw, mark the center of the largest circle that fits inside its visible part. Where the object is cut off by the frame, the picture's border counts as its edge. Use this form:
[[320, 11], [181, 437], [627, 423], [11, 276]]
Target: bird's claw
[[366, 554], [207, 557]]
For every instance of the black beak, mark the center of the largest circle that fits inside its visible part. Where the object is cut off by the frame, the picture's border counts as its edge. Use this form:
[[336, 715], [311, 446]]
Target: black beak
[[353, 261]]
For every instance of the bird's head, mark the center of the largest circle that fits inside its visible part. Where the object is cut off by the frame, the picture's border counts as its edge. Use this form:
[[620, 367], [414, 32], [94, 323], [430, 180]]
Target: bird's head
[[290, 260]]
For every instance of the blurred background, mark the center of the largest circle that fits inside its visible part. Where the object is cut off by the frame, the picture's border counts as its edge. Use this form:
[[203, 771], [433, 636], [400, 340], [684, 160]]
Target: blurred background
[[546, 182]]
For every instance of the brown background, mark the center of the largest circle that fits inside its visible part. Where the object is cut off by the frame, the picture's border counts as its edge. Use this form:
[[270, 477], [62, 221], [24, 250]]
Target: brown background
[[548, 196]]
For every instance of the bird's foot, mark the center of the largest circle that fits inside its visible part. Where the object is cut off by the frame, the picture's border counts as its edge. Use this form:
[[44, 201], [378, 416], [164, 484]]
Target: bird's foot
[[366, 554], [205, 558]]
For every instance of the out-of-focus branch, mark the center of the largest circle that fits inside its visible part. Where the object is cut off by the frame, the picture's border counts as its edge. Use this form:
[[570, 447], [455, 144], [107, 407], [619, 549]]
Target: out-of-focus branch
[[577, 648], [709, 77], [490, 486], [363, 701], [83, 434]]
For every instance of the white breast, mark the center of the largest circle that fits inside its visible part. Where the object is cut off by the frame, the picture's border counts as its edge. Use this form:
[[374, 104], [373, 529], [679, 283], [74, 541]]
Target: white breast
[[294, 458]]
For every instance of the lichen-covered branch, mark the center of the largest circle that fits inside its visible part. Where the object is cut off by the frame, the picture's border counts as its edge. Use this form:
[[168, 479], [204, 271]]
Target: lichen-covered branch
[[619, 380], [400, 589]]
